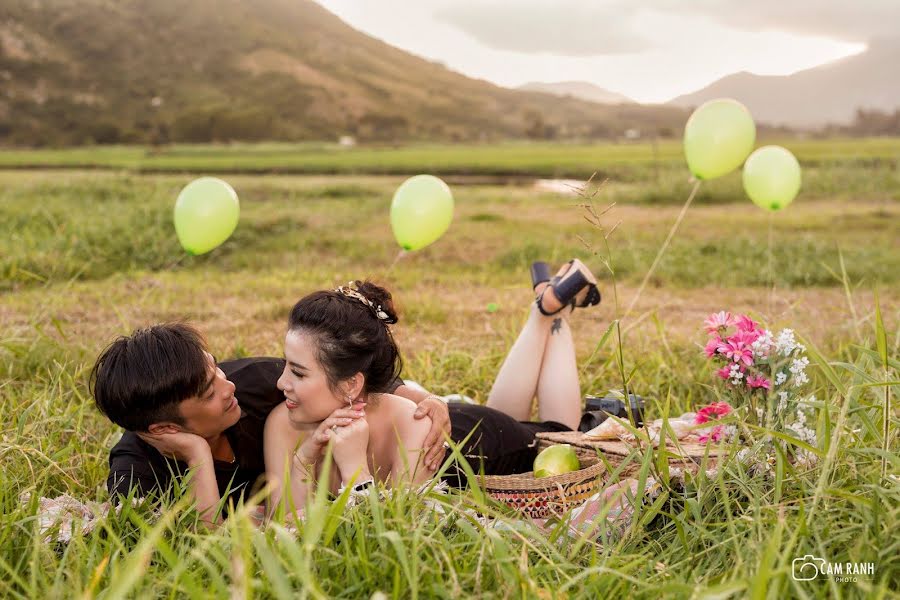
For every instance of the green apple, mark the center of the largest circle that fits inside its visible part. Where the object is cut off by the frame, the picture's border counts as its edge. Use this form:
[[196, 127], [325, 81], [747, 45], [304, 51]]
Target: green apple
[[556, 460]]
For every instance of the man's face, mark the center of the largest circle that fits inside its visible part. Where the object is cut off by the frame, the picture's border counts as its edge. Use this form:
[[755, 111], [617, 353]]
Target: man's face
[[215, 409]]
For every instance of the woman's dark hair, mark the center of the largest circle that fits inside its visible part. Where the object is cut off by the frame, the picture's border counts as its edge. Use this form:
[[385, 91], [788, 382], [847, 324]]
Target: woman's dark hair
[[350, 336], [141, 379]]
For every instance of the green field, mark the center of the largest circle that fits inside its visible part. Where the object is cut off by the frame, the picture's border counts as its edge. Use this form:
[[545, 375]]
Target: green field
[[632, 160], [87, 254]]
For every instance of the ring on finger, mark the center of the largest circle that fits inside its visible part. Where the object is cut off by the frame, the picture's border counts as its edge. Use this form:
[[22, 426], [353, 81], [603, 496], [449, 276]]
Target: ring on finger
[[334, 428]]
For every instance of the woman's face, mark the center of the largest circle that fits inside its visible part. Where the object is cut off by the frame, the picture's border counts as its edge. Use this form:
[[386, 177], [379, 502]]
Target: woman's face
[[307, 395]]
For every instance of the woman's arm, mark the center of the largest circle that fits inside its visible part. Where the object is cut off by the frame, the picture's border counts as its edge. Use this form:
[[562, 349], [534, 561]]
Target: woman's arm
[[296, 453], [432, 407], [280, 440], [409, 466]]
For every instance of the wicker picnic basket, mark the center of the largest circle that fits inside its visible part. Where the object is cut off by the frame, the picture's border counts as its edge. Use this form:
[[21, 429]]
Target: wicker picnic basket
[[547, 496], [541, 498]]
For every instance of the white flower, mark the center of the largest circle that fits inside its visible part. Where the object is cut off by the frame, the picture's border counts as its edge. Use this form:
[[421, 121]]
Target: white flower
[[735, 374], [782, 401], [798, 365], [798, 370], [785, 342], [763, 345], [780, 377]]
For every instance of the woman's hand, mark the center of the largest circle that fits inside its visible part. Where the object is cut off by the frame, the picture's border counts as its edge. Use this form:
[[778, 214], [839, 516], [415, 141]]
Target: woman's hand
[[310, 451], [350, 445]]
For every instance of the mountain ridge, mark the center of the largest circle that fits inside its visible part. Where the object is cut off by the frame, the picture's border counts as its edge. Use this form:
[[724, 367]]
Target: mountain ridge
[[85, 71], [831, 93]]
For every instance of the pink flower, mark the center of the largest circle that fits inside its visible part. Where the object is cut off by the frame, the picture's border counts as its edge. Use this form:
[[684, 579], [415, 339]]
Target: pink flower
[[724, 372], [719, 320], [747, 337], [712, 346], [737, 349], [715, 435], [714, 411], [759, 382], [745, 323]]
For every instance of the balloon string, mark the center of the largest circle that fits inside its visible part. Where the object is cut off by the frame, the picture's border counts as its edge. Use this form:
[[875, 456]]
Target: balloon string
[[175, 262], [662, 249], [770, 269], [397, 258]]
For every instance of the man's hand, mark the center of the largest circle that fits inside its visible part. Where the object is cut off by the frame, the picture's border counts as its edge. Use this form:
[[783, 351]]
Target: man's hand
[[183, 446], [437, 410], [195, 451]]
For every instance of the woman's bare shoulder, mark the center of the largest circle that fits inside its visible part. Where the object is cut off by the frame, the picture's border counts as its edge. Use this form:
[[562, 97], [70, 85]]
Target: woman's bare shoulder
[[397, 404], [401, 411]]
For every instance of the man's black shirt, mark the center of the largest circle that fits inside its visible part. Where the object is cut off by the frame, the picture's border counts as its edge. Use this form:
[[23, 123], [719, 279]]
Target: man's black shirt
[[133, 463]]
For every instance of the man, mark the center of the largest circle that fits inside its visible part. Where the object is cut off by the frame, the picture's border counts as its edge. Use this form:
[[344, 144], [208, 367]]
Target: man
[[182, 410]]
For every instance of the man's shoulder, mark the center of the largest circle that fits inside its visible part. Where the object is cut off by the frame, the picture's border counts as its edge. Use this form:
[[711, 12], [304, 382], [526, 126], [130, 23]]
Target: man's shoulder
[[133, 463], [131, 453], [252, 366]]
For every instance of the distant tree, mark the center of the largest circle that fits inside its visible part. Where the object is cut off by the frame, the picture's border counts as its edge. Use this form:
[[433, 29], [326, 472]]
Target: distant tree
[[105, 132]]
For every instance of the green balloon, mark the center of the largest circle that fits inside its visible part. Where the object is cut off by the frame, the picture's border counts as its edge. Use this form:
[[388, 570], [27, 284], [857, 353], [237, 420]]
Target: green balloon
[[718, 137], [421, 211], [772, 177], [206, 214]]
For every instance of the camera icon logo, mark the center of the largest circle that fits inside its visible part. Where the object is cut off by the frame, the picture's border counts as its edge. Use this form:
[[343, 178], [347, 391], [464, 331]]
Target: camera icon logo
[[807, 568]]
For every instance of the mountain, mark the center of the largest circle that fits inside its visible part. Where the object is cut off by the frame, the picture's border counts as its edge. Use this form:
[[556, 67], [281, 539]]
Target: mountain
[[138, 71], [829, 93], [578, 89]]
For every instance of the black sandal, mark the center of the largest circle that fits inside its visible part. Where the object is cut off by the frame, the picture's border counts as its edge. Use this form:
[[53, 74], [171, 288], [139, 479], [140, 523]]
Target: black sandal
[[577, 287], [540, 273]]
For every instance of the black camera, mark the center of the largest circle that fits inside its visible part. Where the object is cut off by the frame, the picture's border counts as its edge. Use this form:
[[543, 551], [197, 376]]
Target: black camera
[[597, 409]]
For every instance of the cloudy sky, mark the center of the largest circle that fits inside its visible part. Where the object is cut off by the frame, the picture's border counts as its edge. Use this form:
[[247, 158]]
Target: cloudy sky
[[649, 50]]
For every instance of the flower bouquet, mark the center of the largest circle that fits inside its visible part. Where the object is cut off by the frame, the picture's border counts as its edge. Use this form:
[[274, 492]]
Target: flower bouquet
[[763, 372]]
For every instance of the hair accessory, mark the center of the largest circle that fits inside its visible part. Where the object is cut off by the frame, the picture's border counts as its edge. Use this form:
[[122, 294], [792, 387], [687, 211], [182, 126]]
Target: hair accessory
[[350, 291]]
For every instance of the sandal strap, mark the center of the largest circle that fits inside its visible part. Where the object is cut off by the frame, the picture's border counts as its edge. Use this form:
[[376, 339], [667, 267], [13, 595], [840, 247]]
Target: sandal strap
[[593, 297], [540, 305], [540, 273], [568, 287]]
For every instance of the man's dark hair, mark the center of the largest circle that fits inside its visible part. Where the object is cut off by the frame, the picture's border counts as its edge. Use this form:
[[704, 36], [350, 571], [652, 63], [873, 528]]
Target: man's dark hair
[[140, 379]]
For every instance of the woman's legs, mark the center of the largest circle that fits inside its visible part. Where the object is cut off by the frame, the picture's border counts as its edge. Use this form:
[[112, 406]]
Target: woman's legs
[[541, 362], [516, 383], [558, 390]]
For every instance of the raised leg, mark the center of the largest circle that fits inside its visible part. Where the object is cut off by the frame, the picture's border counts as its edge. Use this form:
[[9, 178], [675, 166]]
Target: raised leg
[[558, 389], [517, 382]]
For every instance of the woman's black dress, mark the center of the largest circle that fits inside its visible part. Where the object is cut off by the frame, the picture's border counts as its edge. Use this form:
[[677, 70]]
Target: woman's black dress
[[493, 442]]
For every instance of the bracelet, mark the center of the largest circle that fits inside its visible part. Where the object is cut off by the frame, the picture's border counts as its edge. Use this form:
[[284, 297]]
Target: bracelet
[[359, 487], [436, 397]]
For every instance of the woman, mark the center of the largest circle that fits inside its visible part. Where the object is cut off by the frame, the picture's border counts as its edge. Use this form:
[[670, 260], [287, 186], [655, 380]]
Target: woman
[[340, 357]]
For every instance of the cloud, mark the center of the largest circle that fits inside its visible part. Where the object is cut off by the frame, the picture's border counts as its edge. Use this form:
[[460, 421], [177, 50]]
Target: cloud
[[564, 27], [856, 21], [605, 27]]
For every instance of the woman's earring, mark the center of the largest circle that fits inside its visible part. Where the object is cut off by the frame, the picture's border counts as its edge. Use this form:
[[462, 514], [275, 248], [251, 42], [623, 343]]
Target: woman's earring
[[350, 400]]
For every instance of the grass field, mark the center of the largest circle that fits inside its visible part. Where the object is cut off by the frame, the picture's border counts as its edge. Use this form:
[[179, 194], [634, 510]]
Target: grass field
[[88, 254], [637, 161]]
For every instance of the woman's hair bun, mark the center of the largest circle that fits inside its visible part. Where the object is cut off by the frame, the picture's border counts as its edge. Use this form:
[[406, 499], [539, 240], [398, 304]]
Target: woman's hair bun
[[378, 296]]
